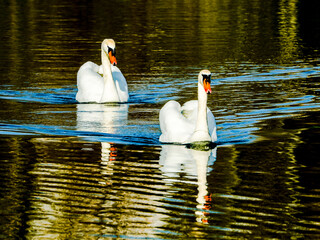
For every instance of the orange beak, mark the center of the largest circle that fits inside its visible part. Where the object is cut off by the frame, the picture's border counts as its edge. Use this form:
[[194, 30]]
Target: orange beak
[[113, 59], [207, 87]]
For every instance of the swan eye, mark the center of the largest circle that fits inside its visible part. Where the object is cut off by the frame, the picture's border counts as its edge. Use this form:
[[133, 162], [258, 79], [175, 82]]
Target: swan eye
[[206, 78], [113, 51]]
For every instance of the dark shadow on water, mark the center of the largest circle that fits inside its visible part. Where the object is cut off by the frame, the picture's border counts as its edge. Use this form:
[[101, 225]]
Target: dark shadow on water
[[201, 146]]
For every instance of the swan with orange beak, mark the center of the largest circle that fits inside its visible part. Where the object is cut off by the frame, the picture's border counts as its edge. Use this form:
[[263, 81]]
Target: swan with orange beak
[[191, 123], [110, 87]]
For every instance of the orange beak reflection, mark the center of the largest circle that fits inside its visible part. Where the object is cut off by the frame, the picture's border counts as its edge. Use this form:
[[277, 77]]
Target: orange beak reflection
[[113, 59], [113, 153], [207, 86]]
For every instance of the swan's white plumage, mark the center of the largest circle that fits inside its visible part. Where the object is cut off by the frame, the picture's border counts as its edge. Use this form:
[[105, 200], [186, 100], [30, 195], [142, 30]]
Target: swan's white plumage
[[180, 124], [175, 127], [91, 82], [121, 84]]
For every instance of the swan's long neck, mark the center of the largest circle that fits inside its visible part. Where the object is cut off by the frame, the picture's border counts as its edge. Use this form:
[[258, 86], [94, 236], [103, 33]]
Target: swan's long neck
[[110, 93], [202, 124], [201, 132]]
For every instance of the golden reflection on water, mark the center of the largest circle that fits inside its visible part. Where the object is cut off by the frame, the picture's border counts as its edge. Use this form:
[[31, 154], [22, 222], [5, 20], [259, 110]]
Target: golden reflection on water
[[92, 195], [76, 188], [279, 181], [184, 35], [288, 30]]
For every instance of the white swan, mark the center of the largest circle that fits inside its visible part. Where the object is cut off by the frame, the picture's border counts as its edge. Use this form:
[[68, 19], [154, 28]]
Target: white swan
[[191, 123], [111, 87]]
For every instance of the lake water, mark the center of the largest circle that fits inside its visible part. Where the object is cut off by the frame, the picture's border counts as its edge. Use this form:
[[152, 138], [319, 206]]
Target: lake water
[[98, 171]]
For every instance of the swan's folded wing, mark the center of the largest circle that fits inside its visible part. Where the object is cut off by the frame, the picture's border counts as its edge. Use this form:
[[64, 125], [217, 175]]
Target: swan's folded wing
[[89, 83], [89, 66], [190, 111], [121, 84], [212, 125], [174, 126]]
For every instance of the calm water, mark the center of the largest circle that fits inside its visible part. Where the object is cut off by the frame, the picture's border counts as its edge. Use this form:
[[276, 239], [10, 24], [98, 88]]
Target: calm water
[[98, 171]]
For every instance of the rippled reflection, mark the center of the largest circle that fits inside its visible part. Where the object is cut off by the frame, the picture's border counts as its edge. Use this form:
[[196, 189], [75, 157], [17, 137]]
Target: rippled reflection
[[65, 192], [91, 189], [66, 188], [176, 160], [288, 30], [101, 118]]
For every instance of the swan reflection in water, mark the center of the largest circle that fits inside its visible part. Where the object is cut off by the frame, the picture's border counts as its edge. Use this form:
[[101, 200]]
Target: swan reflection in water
[[177, 159], [103, 118]]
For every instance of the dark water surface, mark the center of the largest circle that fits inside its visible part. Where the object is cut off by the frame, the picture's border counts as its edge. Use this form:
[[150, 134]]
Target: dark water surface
[[98, 171]]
